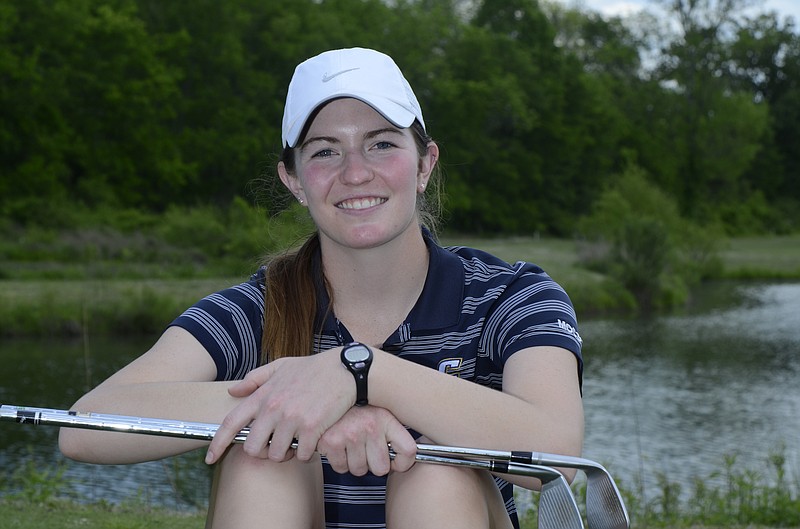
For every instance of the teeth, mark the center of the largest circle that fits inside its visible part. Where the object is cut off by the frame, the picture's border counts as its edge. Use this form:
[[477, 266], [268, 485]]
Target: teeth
[[361, 203]]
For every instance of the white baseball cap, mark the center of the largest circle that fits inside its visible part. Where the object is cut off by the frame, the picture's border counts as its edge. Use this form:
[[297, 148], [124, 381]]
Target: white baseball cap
[[363, 74]]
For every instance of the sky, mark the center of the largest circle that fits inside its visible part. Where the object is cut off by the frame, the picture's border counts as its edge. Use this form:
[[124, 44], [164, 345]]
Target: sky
[[624, 7]]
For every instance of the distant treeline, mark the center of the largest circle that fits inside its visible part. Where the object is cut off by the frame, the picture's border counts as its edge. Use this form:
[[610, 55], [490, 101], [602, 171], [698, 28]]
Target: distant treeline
[[146, 104]]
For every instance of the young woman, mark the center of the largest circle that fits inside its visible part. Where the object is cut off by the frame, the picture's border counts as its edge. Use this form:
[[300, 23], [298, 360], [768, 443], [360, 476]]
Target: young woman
[[369, 334]]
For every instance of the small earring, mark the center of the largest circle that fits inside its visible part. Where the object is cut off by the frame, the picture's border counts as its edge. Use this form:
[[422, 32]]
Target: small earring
[[300, 200], [422, 187]]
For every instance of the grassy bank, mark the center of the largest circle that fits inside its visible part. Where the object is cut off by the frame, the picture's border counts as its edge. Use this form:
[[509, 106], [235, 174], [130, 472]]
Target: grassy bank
[[80, 303], [35, 495], [24, 515], [16, 515], [762, 258], [75, 307]]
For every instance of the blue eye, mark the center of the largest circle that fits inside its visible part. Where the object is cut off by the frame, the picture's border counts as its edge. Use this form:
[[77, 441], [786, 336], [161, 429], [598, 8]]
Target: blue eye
[[324, 153], [384, 145]]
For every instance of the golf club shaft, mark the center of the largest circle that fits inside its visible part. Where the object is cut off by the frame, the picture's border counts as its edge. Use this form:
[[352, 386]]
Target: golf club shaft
[[205, 432], [526, 458], [557, 504]]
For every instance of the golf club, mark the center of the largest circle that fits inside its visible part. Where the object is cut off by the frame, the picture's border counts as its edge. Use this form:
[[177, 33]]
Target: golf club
[[557, 507], [605, 508]]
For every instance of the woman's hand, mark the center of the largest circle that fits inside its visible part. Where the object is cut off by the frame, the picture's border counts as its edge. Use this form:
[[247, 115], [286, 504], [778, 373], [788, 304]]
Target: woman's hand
[[358, 443], [288, 399]]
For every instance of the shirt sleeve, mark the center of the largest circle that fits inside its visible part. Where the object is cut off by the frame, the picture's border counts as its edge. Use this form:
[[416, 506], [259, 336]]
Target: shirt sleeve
[[533, 311], [229, 324]]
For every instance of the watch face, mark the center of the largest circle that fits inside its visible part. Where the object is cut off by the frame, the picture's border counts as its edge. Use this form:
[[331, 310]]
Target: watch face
[[358, 353]]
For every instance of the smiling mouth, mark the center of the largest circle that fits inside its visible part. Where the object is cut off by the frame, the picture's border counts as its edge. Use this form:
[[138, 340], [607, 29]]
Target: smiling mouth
[[360, 203]]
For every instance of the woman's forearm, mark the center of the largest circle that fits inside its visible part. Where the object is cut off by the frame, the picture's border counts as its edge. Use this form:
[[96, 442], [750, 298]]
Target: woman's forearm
[[539, 410], [187, 401]]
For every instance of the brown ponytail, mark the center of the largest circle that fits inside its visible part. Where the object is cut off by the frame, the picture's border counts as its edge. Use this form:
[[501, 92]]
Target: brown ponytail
[[290, 303]]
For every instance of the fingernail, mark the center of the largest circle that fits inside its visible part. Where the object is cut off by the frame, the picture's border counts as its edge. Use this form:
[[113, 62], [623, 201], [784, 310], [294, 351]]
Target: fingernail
[[209, 458]]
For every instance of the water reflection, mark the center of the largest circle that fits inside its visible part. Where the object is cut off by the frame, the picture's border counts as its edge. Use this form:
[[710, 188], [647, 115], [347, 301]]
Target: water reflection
[[671, 395], [677, 395], [55, 374]]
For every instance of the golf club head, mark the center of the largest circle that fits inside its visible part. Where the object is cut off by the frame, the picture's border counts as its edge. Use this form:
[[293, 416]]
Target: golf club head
[[557, 507], [604, 506]]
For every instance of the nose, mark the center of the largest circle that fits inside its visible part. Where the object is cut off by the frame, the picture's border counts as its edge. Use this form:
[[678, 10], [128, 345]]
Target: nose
[[356, 169]]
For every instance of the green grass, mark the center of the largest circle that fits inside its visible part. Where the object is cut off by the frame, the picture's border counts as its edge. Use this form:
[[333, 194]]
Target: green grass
[[23, 515], [132, 305], [762, 258], [767, 257], [101, 306]]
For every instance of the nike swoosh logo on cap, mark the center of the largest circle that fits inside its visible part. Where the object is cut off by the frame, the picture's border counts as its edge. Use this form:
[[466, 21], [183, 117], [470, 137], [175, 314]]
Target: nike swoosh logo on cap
[[326, 77]]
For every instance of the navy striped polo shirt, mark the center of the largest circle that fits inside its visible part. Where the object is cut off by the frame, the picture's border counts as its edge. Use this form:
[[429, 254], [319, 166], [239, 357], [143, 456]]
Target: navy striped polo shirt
[[475, 311]]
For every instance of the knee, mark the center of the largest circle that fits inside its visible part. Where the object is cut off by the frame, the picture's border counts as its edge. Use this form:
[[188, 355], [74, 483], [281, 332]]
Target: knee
[[236, 461], [444, 496], [248, 490], [431, 480]]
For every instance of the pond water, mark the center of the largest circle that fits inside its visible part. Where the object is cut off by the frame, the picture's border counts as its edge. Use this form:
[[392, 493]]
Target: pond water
[[669, 396]]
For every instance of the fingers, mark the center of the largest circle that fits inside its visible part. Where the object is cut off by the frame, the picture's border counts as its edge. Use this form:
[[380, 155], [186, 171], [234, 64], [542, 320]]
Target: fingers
[[278, 447], [231, 425], [404, 447], [377, 458], [252, 381], [358, 443], [243, 415], [243, 388]]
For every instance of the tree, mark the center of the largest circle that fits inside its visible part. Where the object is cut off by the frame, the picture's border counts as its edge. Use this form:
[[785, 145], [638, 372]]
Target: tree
[[765, 61], [718, 129], [86, 108], [636, 234]]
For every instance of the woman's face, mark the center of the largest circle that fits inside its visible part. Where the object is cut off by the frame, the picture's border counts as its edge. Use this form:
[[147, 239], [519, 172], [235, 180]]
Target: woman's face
[[359, 175]]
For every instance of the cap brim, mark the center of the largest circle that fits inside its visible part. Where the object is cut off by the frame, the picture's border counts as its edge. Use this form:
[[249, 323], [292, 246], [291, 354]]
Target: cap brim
[[395, 113]]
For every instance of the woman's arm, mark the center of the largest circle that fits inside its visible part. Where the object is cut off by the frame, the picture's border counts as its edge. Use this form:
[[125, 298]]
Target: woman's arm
[[173, 380], [539, 409], [540, 406]]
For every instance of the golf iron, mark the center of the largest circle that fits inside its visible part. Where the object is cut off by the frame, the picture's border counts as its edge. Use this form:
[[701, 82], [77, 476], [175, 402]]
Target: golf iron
[[557, 507], [605, 508]]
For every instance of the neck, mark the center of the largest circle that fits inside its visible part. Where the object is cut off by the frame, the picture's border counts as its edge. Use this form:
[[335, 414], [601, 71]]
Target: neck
[[367, 272], [376, 287]]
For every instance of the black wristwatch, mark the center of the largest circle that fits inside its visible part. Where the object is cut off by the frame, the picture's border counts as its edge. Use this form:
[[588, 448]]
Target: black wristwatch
[[357, 358]]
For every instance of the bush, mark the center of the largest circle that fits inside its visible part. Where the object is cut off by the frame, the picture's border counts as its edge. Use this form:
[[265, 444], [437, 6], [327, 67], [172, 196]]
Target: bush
[[182, 242], [636, 235]]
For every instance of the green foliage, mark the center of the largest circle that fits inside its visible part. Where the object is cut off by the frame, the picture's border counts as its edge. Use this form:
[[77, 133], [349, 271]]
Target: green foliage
[[36, 483], [636, 235], [155, 106], [747, 498], [181, 242], [744, 499]]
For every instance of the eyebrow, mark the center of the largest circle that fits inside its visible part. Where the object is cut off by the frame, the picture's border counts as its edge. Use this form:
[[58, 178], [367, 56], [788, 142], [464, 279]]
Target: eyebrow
[[369, 135], [378, 132]]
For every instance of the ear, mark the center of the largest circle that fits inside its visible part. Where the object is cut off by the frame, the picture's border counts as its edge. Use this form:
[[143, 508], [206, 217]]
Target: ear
[[292, 183], [426, 165]]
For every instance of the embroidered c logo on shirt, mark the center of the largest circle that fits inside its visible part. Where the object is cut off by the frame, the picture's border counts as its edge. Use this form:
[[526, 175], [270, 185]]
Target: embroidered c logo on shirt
[[326, 77], [451, 366]]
